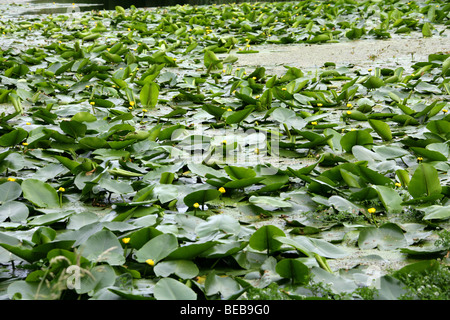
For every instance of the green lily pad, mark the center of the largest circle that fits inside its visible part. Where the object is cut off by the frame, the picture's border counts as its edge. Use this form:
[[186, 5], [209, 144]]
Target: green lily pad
[[40, 193], [171, 289], [387, 237], [293, 269]]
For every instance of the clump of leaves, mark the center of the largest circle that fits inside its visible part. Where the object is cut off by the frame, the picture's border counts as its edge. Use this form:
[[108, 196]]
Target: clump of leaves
[[271, 292], [427, 285], [444, 240], [337, 217]]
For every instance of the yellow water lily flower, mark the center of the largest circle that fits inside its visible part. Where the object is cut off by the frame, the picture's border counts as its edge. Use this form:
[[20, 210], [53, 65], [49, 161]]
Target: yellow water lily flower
[[126, 240], [222, 190], [150, 262]]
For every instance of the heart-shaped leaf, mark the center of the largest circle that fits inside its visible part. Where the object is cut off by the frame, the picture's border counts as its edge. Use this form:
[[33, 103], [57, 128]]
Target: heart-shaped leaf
[[425, 181]]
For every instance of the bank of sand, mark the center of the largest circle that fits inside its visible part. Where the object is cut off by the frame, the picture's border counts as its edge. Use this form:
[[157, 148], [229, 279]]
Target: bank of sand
[[390, 53]]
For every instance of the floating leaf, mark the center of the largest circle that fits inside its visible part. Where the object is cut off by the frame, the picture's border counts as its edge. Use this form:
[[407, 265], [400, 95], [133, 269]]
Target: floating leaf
[[239, 116], [40, 193], [373, 82], [103, 246], [9, 191], [14, 211], [426, 30], [171, 289], [201, 197], [149, 95], [157, 248], [73, 128], [293, 269], [390, 199], [357, 137], [436, 212], [185, 269], [269, 201], [264, 239], [387, 237], [382, 128], [425, 181], [13, 138], [218, 225]]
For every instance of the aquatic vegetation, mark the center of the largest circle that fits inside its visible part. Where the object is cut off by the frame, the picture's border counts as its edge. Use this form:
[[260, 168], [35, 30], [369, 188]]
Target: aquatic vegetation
[[138, 161]]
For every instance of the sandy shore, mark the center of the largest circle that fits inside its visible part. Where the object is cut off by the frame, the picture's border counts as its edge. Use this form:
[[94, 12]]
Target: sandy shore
[[360, 53]]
